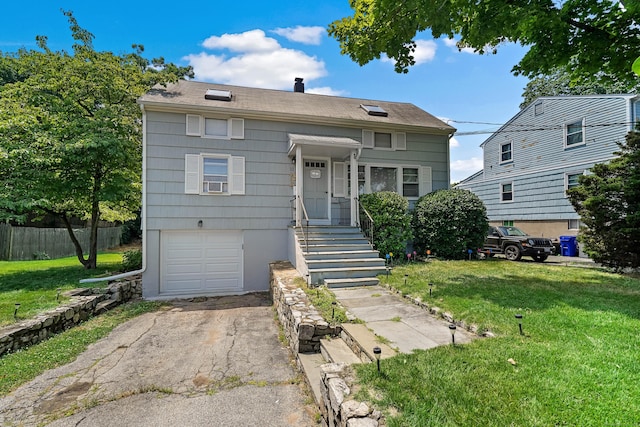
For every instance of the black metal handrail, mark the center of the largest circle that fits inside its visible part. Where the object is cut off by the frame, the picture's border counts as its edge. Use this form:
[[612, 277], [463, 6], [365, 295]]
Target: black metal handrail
[[365, 222], [305, 228]]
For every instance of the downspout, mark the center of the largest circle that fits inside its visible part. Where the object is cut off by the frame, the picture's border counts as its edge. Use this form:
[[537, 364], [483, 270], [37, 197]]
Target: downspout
[[143, 212]]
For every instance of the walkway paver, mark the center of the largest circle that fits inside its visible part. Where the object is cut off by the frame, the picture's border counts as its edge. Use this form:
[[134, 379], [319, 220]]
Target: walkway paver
[[407, 326]]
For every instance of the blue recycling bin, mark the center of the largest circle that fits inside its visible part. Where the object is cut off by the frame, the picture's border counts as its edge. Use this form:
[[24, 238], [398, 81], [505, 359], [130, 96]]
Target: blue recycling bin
[[568, 246]]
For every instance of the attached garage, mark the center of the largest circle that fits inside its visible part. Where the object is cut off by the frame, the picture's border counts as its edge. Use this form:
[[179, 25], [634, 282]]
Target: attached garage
[[201, 263]]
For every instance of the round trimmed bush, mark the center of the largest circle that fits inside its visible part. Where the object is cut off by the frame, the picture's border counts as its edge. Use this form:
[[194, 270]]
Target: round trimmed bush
[[449, 223], [391, 221]]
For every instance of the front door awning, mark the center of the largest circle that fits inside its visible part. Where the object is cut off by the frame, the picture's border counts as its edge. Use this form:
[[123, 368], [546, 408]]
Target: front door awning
[[322, 146]]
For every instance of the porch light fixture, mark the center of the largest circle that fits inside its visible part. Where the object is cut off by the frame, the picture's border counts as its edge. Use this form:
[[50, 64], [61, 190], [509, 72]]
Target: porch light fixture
[[15, 312], [200, 224], [519, 319], [452, 329], [377, 352]]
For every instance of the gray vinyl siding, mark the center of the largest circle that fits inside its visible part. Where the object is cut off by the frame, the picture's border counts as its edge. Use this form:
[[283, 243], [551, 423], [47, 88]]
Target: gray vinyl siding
[[268, 191], [540, 159]]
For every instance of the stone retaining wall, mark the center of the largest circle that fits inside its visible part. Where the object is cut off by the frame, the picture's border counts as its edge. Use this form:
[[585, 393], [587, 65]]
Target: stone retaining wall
[[336, 407], [302, 323], [84, 303], [304, 327]]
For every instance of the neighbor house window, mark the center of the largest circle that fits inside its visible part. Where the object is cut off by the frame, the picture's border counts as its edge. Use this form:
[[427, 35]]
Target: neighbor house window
[[572, 180], [505, 152], [573, 224], [574, 133], [214, 174], [506, 192], [538, 108], [410, 182], [384, 179], [507, 223]]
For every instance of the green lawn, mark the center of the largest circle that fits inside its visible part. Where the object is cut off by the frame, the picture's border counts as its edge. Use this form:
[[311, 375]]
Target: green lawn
[[34, 284], [578, 362]]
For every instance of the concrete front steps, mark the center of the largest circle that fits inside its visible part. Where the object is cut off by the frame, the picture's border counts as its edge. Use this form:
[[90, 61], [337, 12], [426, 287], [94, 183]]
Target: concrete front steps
[[339, 256], [354, 345]]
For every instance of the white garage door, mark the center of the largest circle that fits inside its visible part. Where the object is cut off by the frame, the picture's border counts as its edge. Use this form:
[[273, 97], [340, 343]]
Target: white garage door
[[201, 262]]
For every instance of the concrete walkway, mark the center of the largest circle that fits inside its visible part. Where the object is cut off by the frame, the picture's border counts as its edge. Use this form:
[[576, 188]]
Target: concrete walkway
[[406, 326]]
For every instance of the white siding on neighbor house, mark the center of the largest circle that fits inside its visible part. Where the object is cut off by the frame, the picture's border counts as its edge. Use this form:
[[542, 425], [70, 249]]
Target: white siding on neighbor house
[[538, 141], [541, 160]]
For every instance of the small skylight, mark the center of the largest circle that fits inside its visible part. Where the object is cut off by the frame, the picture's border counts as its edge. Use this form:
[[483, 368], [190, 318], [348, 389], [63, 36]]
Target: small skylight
[[218, 95], [374, 110]]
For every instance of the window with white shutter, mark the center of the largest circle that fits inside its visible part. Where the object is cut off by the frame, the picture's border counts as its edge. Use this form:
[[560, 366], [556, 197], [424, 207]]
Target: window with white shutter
[[208, 127], [214, 174], [426, 180], [193, 125]]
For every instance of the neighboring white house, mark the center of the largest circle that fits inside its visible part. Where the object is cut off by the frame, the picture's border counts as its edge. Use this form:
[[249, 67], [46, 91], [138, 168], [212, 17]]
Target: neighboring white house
[[227, 169], [532, 160]]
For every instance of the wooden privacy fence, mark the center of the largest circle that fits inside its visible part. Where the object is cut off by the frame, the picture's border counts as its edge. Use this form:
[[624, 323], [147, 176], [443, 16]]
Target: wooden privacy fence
[[24, 243]]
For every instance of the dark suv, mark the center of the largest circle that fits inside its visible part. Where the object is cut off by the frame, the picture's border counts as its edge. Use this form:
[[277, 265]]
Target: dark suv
[[515, 243]]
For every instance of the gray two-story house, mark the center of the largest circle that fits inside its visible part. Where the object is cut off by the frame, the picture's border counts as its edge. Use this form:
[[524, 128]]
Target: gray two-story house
[[531, 161], [232, 174]]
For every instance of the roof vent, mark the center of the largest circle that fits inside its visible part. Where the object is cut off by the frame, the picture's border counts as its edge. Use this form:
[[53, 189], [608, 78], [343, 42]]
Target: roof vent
[[218, 95], [374, 110], [298, 86]]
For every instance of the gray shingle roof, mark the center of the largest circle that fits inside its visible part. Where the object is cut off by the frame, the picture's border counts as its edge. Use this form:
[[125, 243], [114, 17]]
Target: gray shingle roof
[[302, 107]]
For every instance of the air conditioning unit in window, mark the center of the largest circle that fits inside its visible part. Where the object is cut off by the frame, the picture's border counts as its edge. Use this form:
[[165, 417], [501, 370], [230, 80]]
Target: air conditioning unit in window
[[212, 187]]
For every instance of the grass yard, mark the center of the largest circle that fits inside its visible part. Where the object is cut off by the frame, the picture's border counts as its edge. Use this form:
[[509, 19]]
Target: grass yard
[[578, 363], [34, 284]]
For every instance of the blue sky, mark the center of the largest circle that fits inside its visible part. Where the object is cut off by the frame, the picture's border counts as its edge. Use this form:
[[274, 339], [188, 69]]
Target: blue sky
[[268, 43]]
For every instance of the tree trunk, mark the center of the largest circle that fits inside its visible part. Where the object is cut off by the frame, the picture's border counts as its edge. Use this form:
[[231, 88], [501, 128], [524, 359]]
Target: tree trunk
[[95, 216], [75, 241]]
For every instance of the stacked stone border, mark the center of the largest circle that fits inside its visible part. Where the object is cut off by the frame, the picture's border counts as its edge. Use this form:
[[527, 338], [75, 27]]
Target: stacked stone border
[[84, 303], [303, 326]]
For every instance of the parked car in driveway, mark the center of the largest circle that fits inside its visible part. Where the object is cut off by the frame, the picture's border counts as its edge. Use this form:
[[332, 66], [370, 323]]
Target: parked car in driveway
[[515, 243]]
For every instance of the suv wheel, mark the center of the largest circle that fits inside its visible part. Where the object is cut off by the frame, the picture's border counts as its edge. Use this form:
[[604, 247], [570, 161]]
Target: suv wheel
[[512, 252], [540, 258]]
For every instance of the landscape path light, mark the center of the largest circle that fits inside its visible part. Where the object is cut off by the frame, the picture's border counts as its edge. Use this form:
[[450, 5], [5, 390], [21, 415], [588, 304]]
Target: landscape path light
[[58, 294], [519, 319], [377, 351], [430, 289], [333, 309], [15, 311], [452, 329], [405, 279]]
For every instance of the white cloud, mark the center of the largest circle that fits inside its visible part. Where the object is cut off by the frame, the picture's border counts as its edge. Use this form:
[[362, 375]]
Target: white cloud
[[453, 44], [453, 142], [425, 52], [471, 165], [300, 34], [249, 41], [256, 61], [325, 90]]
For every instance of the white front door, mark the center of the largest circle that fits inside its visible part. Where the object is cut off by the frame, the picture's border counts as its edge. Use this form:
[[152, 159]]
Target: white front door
[[316, 190]]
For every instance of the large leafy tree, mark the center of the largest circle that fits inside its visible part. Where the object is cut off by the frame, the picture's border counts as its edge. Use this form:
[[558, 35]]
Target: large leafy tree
[[586, 37], [70, 132], [608, 202]]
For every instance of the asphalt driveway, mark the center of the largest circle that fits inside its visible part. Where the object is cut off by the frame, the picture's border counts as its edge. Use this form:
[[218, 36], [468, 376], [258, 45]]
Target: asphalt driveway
[[217, 362]]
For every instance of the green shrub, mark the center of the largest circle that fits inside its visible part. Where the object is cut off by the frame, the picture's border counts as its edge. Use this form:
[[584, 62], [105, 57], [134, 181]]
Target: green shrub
[[449, 223], [131, 230], [392, 222], [132, 260]]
